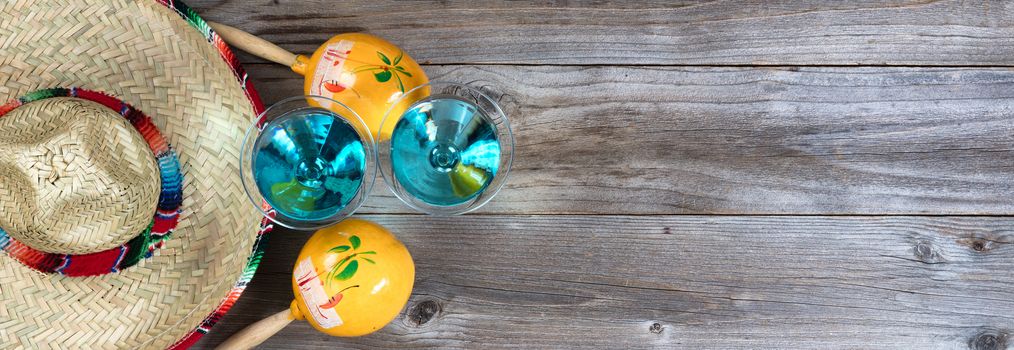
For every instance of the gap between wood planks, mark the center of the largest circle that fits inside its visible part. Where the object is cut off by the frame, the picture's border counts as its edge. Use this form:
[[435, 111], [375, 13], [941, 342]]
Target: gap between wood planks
[[773, 215], [258, 61], [772, 65]]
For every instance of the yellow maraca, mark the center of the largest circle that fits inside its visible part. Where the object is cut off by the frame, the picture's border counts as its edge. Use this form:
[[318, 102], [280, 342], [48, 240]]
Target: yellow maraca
[[364, 72], [350, 279]]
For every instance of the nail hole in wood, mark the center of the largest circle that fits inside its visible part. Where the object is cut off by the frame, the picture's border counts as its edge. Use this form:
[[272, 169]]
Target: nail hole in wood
[[423, 312], [656, 328]]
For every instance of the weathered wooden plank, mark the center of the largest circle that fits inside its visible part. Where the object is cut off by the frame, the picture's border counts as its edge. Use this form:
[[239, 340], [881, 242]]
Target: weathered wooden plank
[[914, 32], [735, 282], [649, 140]]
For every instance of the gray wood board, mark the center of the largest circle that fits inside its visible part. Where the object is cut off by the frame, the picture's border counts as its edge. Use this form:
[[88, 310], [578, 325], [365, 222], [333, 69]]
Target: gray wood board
[[740, 282], [604, 131], [737, 140], [926, 33]]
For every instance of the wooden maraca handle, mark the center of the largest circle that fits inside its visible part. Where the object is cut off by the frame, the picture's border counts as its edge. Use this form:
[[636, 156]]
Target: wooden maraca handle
[[254, 45], [258, 332]]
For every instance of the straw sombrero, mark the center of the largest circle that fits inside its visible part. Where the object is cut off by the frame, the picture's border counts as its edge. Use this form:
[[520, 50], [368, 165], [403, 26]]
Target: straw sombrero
[[122, 217]]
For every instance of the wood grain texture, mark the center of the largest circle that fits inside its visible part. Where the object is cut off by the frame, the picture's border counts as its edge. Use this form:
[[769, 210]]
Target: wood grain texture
[[635, 117], [916, 32], [490, 282], [662, 140]]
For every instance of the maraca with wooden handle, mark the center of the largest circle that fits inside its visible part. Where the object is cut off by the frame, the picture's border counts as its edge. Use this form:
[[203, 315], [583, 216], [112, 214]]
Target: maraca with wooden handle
[[362, 71], [350, 279]]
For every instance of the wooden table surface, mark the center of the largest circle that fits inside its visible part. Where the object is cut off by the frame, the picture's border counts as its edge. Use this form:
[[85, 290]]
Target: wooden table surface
[[767, 174]]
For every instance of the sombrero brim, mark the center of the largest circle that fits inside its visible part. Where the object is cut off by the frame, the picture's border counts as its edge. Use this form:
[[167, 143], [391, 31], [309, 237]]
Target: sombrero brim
[[162, 59]]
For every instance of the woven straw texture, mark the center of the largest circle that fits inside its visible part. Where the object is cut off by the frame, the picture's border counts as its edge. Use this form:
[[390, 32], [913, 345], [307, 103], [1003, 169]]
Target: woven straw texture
[[76, 177], [143, 53]]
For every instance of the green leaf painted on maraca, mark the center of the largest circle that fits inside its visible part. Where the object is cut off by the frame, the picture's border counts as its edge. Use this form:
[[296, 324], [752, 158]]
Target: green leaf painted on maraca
[[383, 77], [348, 272], [347, 266], [384, 72]]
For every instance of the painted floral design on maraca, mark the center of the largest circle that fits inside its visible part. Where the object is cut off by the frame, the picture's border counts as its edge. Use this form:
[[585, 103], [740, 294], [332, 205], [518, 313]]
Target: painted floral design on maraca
[[384, 72], [339, 269], [345, 268]]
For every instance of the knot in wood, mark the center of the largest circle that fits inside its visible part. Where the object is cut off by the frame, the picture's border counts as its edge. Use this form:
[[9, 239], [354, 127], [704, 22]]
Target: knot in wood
[[989, 340], [423, 312], [979, 245], [925, 252], [655, 328]]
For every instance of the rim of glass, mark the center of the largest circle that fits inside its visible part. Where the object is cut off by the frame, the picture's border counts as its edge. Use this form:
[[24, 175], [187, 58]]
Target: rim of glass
[[284, 107], [492, 112]]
